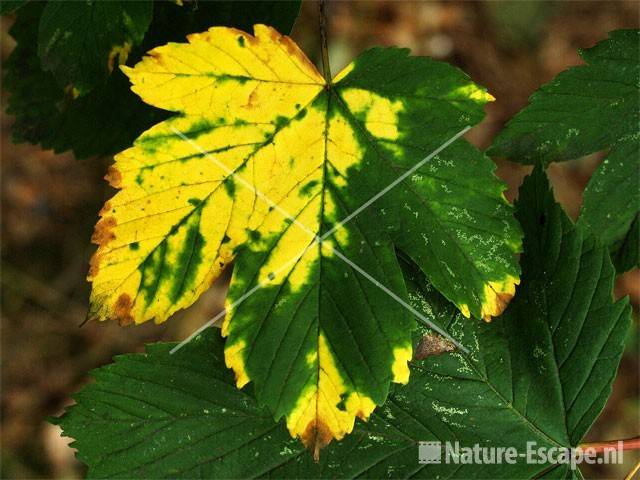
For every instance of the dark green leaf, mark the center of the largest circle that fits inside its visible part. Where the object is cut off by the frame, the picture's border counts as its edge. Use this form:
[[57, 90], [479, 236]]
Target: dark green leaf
[[107, 119], [100, 123], [584, 110], [612, 202], [8, 6], [568, 288], [81, 42], [160, 415], [626, 252], [541, 372]]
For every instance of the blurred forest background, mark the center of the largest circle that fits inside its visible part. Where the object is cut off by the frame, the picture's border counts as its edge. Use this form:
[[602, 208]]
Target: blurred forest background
[[50, 204]]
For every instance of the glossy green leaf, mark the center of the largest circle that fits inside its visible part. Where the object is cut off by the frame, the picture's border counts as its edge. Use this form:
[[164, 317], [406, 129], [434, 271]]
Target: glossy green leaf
[[584, 110], [541, 372]]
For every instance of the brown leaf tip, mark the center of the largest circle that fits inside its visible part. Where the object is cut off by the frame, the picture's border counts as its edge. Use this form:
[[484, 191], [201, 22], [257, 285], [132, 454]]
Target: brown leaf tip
[[316, 436], [122, 310], [114, 177], [104, 233], [501, 303]]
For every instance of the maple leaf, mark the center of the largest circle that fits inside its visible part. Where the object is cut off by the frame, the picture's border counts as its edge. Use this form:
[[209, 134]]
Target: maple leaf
[[261, 166]]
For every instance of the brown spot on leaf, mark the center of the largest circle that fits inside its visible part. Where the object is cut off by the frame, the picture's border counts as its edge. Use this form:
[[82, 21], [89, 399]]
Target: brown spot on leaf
[[105, 209], [315, 437], [360, 414], [252, 99], [294, 51], [156, 54], [103, 233], [274, 34], [94, 265], [122, 309], [432, 344], [114, 177]]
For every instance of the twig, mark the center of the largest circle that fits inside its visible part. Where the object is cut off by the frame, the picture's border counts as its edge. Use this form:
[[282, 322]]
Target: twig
[[322, 17]]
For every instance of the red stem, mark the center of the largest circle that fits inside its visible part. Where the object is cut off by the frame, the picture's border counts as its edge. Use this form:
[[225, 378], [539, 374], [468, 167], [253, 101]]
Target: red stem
[[628, 444]]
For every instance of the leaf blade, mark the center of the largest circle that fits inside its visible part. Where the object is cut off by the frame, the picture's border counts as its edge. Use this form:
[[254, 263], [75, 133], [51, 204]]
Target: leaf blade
[[583, 110], [264, 160]]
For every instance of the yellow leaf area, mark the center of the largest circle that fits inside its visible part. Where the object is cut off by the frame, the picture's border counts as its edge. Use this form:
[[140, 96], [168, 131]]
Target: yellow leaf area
[[251, 146]]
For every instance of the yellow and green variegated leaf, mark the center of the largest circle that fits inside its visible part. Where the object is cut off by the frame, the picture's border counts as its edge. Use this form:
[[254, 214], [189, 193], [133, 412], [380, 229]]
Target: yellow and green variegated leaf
[[263, 159]]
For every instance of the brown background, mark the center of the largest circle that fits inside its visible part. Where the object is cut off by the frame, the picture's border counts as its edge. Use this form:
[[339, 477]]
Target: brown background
[[50, 203]]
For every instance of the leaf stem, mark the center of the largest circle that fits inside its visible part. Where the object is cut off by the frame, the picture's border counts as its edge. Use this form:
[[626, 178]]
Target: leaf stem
[[322, 18], [627, 444]]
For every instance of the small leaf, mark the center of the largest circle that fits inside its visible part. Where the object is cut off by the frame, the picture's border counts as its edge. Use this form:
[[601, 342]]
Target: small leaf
[[583, 110], [260, 133]]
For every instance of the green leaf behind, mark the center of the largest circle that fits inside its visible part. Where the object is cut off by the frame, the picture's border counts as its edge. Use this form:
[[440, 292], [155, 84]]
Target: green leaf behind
[[108, 116], [611, 203], [100, 123], [157, 415], [80, 42], [541, 372], [583, 110]]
